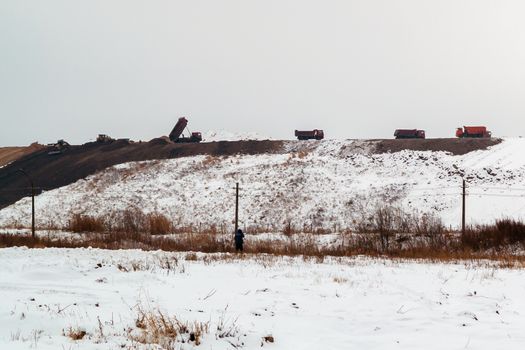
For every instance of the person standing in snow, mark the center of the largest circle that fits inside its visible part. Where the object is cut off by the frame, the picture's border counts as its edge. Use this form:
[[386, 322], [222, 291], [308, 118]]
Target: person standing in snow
[[239, 240]]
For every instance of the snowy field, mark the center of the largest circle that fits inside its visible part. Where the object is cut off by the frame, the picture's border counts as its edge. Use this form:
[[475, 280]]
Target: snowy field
[[331, 184], [337, 304]]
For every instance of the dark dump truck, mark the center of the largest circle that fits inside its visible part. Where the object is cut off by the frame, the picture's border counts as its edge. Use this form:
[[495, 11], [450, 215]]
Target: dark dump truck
[[409, 134], [315, 134], [177, 136], [473, 132]]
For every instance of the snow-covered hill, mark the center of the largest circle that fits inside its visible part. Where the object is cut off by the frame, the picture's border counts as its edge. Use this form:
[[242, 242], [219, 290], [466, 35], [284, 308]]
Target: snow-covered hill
[[331, 184]]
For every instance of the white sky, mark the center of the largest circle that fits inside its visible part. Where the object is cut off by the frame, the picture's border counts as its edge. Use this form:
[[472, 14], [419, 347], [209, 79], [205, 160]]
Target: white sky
[[357, 69]]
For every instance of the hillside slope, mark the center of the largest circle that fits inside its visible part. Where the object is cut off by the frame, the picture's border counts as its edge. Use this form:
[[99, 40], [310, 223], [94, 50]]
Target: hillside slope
[[330, 184], [50, 170], [10, 154]]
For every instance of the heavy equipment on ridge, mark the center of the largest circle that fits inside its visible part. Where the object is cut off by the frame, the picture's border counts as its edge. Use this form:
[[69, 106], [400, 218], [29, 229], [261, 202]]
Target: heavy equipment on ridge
[[177, 136], [315, 134], [103, 138], [409, 134], [473, 131], [58, 148]]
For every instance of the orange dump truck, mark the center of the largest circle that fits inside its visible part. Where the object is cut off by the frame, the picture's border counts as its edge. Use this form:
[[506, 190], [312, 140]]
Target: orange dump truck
[[473, 131]]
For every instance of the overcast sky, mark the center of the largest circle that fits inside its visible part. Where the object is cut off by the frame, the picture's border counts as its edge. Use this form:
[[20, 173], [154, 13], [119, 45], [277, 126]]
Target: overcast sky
[[357, 69]]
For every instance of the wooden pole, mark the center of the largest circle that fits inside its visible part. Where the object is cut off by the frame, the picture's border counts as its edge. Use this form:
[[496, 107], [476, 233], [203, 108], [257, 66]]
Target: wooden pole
[[32, 209], [32, 201], [236, 207], [463, 207]]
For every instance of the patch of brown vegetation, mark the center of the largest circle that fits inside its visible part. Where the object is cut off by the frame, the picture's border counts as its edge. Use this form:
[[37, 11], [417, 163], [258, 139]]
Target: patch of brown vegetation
[[157, 328], [129, 220], [85, 223], [75, 333], [389, 232], [451, 247]]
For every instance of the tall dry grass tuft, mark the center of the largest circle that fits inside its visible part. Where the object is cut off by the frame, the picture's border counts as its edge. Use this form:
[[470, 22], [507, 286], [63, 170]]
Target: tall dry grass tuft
[[159, 224], [129, 220], [85, 223], [156, 328], [75, 333], [503, 233]]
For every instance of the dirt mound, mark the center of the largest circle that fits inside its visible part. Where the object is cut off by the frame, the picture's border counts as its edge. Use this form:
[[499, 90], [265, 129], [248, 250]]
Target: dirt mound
[[10, 154], [455, 146], [50, 171]]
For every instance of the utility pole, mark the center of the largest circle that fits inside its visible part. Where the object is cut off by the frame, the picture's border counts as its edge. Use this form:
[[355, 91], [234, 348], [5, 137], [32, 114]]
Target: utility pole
[[236, 207], [463, 207], [32, 201]]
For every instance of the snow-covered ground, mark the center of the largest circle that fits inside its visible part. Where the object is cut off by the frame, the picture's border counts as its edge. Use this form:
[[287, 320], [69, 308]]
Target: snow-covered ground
[[223, 135], [331, 184], [338, 304]]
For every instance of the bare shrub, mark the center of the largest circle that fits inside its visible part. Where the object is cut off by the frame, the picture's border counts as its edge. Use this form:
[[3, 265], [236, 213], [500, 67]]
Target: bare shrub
[[504, 232], [288, 228], [159, 224], [430, 226], [131, 220], [85, 223], [384, 225]]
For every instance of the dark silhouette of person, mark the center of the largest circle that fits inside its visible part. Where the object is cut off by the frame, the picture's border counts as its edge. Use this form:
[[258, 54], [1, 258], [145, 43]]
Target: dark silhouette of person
[[239, 240]]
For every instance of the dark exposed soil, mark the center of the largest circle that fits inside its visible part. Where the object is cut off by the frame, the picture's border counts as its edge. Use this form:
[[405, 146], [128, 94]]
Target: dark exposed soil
[[10, 154], [455, 146], [50, 171]]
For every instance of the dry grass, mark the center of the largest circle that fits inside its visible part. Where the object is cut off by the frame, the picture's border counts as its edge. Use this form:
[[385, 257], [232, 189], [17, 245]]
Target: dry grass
[[340, 280], [451, 247], [388, 233], [159, 224], [129, 220], [154, 327], [504, 233], [191, 257], [210, 161], [75, 333], [85, 223]]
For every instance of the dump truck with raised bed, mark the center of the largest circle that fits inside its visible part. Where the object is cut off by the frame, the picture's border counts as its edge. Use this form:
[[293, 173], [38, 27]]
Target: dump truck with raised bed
[[177, 136], [315, 134], [473, 131], [409, 134]]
